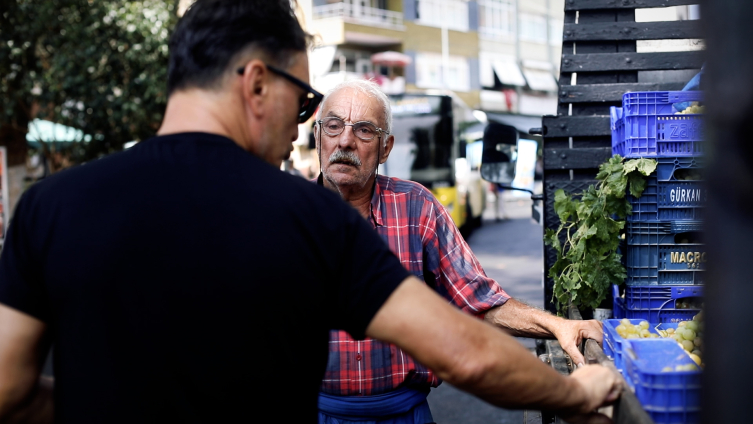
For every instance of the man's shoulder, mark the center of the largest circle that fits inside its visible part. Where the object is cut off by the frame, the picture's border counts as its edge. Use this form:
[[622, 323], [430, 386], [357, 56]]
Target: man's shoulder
[[76, 177], [394, 185]]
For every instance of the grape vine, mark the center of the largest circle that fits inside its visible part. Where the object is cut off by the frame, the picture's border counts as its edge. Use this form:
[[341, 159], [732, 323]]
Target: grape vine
[[587, 239]]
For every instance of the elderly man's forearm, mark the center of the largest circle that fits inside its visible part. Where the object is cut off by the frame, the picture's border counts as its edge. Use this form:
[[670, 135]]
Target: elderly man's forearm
[[521, 320]]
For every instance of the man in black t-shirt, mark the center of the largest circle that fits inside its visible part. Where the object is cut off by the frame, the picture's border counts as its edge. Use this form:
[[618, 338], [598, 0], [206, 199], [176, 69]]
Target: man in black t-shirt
[[189, 280]]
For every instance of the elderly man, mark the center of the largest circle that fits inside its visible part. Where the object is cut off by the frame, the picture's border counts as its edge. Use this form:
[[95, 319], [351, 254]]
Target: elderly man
[[153, 321], [353, 137]]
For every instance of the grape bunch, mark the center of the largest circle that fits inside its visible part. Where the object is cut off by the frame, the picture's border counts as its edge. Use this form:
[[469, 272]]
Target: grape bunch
[[689, 334], [628, 330], [694, 107]]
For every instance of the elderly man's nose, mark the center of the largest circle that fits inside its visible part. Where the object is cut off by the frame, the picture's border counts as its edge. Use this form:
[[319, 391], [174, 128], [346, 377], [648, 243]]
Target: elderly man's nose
[[347, 137]]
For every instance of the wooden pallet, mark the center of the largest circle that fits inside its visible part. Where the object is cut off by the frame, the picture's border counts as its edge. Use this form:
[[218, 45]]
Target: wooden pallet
[[599, 46]]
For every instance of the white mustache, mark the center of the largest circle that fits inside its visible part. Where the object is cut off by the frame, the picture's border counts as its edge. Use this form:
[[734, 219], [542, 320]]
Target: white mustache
[[344, 156]]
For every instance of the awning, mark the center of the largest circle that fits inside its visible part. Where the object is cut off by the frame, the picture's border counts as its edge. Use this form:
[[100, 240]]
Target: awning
[[508, 73], [320, 60], [522, 123], [540, 80], [390, 58], [51, 132]]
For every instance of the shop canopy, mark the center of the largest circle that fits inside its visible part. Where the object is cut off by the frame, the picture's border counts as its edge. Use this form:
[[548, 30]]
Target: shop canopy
[[41, 131]]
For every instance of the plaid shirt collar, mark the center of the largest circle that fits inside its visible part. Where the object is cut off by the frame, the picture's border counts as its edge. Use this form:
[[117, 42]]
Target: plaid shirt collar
[[376, 197]]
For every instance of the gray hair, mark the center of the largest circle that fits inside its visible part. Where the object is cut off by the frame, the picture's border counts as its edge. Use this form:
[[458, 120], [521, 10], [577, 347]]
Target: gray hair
[[369, 88]]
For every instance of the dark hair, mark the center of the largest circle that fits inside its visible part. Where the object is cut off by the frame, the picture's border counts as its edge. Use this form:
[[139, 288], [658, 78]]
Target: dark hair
[[213, 32]]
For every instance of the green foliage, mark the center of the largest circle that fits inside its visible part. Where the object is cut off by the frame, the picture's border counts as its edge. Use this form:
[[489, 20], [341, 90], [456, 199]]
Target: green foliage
[[96, 65], [589, 233]]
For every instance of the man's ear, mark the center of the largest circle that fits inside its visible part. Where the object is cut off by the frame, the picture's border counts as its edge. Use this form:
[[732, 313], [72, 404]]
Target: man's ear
[[388, 145], [255, 86], [317, 141]]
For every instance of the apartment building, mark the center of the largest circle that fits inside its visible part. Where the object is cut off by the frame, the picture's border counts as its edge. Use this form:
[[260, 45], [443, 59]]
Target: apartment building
[[496, 55]]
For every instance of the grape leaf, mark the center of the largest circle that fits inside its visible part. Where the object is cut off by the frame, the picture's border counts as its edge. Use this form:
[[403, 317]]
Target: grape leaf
[[588, 236]]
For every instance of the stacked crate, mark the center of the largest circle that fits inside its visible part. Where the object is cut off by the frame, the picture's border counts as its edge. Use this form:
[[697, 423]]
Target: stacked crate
[[665, 258], [664, 255]]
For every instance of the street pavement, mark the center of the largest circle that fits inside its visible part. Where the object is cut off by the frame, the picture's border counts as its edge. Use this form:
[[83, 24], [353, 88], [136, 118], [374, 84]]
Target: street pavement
[[511, 253]]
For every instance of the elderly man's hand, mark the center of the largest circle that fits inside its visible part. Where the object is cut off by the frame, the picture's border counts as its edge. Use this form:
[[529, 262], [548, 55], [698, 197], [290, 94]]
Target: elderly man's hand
[[570, 333]]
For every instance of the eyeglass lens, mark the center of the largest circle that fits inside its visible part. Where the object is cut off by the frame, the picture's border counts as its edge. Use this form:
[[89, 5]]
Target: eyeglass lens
[[307, 108], [363, 130]]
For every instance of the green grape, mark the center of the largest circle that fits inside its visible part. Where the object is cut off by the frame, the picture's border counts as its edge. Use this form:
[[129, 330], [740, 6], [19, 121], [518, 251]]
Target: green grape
[[643, 324], [686, 367], [688, 334], [645, 333], [695, 358], [692, 325], [626, 322], [687, 345], [697, 342]]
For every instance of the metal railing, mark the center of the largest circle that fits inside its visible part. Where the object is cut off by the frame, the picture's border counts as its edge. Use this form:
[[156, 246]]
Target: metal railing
[[356, 14], [452, 14]]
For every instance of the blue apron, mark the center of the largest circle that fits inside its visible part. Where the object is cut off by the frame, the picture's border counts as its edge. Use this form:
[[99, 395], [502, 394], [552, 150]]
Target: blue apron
[[401, 406]]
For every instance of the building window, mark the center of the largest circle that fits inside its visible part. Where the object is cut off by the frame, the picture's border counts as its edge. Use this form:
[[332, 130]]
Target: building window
[[429, 72], [497, 19], [452, 14], [533, 28], [555, 31]]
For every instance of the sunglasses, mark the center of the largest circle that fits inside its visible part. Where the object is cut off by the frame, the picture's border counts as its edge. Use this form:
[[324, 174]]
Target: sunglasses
[[309, 100]]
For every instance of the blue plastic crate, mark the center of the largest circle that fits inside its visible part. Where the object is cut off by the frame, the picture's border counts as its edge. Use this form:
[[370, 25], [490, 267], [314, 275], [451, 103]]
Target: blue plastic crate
[[664, 253], [674, 192], [612, 341], [647, 125], [662, 232], [657, 304], [668, 397]]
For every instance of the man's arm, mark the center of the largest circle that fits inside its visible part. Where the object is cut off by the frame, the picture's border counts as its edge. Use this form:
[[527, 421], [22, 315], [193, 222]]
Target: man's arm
[[24, 397], [521, 320], [483, 361]]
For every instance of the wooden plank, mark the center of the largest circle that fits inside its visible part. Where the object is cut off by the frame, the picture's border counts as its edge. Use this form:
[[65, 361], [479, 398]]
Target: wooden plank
[[593, 62], [674, 30], [557, 357], [570, 126], [611, 92], [623, 4], [573, 313], [627, 409], [583, 158]]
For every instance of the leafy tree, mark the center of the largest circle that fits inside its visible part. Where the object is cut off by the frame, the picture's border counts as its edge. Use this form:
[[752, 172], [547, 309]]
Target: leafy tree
[[96, 65]]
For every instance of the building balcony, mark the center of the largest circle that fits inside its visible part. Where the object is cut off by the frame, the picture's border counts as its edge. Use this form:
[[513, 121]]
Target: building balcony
[[361, 15]]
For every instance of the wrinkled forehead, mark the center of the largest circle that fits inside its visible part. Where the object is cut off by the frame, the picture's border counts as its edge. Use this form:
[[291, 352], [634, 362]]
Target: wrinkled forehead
[[353, 105]]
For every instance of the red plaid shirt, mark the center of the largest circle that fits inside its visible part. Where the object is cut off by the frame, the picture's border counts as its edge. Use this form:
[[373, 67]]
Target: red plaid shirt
[[421, 233]]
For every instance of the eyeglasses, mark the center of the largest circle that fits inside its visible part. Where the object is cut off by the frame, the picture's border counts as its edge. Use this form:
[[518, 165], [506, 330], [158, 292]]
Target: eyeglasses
[[309, 100], [364, 130]]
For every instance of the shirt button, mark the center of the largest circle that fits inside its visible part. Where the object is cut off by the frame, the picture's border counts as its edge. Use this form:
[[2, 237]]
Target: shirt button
[[358, 357]]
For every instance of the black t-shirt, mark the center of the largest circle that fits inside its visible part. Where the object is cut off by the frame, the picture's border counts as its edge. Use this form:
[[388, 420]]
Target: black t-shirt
[[186, 280]]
